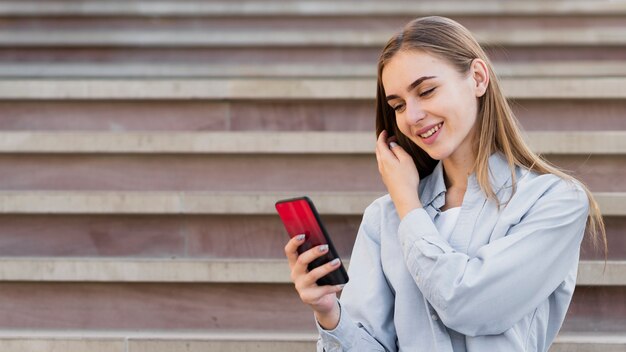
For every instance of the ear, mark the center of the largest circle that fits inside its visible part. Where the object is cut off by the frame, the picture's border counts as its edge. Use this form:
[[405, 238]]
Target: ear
[[480, 74]]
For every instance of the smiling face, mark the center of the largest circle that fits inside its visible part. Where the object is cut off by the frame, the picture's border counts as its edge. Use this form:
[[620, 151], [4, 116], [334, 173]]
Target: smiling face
[[435, 105]]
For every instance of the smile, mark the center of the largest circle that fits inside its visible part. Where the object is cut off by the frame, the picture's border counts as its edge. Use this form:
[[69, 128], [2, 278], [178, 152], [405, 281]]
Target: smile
[[431, 131]]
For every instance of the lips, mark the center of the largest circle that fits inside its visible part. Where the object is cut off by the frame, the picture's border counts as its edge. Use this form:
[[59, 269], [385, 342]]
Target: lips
[[430, 133], [429, 130]]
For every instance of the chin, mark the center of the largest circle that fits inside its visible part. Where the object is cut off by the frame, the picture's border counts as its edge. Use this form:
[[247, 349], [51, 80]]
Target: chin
[[437, 154]]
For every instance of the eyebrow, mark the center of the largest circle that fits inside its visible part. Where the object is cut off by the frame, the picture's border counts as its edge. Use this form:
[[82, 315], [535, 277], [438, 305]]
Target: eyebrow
[[411, 86]]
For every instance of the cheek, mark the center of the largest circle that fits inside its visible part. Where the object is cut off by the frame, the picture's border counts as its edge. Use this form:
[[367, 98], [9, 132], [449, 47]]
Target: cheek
[[465, 110]]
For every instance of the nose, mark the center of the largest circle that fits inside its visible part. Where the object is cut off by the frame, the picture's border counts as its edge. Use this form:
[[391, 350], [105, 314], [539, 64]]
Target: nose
[[414, 113]]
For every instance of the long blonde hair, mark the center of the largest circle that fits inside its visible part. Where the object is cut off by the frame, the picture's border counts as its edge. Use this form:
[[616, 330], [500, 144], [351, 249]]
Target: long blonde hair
[[496, 122]]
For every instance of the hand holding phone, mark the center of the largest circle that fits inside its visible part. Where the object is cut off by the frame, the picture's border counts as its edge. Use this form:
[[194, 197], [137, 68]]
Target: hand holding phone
[[300, 217]]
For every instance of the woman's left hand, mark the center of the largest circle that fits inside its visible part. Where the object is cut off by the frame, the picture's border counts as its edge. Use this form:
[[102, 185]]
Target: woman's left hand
[[399, 174]]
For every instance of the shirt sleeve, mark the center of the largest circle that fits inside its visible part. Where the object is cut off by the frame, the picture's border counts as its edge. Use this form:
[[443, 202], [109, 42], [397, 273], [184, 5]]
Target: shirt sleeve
[[366, 319], [509, 277]]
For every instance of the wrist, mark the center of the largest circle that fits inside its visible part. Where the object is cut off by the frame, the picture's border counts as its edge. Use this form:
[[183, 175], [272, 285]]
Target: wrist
[[329, 320], [406, 208]]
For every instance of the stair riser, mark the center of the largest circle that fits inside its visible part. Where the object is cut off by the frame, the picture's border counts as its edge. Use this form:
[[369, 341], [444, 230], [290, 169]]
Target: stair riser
[[159, 236], [597, 309], [273, 55], [243, 172], [194, 236], [153, 306], [351, 23], [550, 115], [216, 307]]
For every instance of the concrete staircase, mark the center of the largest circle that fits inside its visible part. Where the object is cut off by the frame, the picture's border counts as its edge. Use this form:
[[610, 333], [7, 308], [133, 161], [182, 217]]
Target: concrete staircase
[[143, 145]]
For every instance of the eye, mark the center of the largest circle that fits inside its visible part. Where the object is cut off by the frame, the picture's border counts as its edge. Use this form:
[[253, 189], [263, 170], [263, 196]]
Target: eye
[[398, 108], [426, 93]]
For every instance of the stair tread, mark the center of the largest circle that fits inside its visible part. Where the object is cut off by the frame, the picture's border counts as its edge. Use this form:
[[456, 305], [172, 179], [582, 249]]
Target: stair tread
[[263, 142], [307, 8], [603, 36], [215, 203], [331, 70], [251, 335], [283, 89], [201, 270]]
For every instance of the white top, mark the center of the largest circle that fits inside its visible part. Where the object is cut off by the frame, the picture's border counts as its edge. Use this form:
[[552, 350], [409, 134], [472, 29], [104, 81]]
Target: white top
[[446, 220]]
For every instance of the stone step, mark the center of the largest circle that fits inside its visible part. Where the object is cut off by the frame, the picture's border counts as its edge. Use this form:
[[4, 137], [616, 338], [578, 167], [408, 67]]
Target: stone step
[[275, 143], [309, 8], [283, 89], [46, 170], [215, 161], [312, 54], [545, 37], [169, 115], [592, 69], [249, 271], [243, 341], [219, 307], [208, 203], [126, 341], [195, 236]]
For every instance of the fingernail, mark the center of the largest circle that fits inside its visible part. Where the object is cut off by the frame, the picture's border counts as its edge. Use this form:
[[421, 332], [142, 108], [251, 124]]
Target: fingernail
[[334, 262], [393, 144], [323, 248], [300, 237], [340, 286]]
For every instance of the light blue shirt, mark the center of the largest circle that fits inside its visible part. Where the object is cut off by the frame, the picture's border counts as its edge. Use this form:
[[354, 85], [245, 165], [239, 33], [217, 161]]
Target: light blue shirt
[[502, 282]]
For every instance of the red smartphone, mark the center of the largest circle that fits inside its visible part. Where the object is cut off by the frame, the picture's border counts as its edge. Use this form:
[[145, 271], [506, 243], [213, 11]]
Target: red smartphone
[[300, 217]]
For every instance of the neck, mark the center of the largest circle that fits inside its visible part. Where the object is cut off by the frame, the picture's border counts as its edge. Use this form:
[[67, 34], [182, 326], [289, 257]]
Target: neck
[[457, 167]]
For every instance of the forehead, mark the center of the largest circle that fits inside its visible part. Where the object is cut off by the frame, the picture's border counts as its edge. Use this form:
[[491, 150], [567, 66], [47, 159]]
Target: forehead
[[406, 66]]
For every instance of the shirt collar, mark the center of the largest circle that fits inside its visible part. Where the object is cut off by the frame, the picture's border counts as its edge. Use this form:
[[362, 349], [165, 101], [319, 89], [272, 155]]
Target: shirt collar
[[433, 185]]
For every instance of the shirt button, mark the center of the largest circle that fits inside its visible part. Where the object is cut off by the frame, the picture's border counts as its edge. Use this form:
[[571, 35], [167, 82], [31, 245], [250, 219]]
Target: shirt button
[[434, 316]]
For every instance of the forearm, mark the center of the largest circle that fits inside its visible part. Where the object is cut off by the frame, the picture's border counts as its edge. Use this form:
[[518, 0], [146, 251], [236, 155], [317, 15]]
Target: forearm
[[406, 206], [329, 320], [348, 336]]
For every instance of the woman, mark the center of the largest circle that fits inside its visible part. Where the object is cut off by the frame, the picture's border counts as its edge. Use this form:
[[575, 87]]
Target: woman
[[476, 246]]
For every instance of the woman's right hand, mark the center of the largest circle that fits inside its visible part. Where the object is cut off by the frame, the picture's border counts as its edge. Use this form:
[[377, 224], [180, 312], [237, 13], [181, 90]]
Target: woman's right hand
[[322, 299]]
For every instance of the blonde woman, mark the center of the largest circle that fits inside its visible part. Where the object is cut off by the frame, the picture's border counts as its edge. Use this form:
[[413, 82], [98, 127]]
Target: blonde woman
[[476, 246]]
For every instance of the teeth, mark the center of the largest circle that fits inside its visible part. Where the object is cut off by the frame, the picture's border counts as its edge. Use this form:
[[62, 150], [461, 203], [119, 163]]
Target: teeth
[[430, 132]]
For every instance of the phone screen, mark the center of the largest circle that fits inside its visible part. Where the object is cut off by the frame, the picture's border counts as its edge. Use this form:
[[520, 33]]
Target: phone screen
[[300, 217]]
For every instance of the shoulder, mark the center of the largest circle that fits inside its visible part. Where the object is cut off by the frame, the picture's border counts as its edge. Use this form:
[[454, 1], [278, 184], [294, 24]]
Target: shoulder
[[379, 209], [550, 189], [377, 215], [549, 184]]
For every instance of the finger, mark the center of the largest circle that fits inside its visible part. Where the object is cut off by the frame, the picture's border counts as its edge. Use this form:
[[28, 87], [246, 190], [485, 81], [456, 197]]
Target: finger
[[301, 266], [382, 135], [398, 151], [291, 249], [314, 293], [384, 152], [322, 271], [381, 140]]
